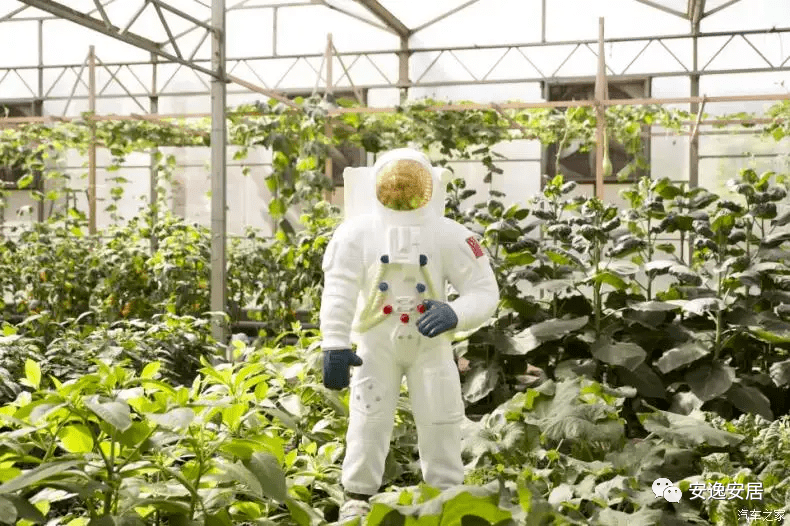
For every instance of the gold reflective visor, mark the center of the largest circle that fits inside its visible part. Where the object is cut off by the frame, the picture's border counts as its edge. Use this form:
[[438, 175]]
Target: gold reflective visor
[[404, 185]]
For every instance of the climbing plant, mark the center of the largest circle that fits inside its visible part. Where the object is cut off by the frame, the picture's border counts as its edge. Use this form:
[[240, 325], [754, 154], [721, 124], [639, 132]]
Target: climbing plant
[[302, 137]]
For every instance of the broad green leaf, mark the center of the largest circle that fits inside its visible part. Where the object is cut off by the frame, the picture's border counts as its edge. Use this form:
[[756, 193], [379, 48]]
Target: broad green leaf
[[659, 266], [625, 354], [680, 356], [770, 336], [303, 514], [481, 381], [25, 180], [7, 511], [237, 472], [176, 419], [33, 373], [293, 405], [646, 381], [654, 306], [36, 475], [465, 504], [560, 494], [722, 221], [76, 439], [780, 373], [622, 268], [669, 248], [169, 506], [700, 306], [219, 518], [610, 278], [150, 370], [26, 513], [775, 240], [684, 274], [520, 258], [642, 517], [117, 414], [626, 245], [277, 208], [533, 337], [562, 257], [7, 474], [508, 345], [782, 220], [749, 399], [688, 430], [710, 380], [685, 403], [270, 475]]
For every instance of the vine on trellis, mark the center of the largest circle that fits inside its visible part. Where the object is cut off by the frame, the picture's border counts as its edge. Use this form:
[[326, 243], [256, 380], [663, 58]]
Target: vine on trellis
[[300, 143]]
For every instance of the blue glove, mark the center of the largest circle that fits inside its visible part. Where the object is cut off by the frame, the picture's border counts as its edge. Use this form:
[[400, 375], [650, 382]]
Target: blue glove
[[438, 318], [337, 368]]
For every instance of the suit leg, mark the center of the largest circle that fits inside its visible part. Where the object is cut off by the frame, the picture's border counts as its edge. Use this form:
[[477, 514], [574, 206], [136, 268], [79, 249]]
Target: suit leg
[[437, 404], [375, 388]]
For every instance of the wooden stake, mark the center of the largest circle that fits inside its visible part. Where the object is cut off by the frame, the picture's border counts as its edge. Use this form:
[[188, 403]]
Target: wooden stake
[[600, 114], [92, 146]]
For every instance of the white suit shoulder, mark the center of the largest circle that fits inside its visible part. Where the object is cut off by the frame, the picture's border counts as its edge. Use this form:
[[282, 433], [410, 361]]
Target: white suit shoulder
[[353, 228], [455, 236]]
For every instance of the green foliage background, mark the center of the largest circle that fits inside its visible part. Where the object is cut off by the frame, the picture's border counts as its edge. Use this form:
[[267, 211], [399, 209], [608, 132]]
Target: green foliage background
[[119, 408]]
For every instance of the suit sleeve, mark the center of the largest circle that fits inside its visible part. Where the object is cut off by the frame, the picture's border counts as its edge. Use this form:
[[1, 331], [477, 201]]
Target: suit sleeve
[[469, 272], [343, 267]]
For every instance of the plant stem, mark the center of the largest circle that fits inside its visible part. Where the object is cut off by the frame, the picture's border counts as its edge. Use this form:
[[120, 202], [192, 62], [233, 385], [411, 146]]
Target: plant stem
[[720, 280], [682, 247], [649, 259], [597, 289]]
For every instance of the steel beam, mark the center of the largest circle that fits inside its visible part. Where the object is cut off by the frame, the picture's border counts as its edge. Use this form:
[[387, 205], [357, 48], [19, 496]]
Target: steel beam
[[153, 191], [355, 16], [385, 16], [719, 8], [61, 11], [218, 172], [696, 9], [694, 78], [445, 15], [656, 5]]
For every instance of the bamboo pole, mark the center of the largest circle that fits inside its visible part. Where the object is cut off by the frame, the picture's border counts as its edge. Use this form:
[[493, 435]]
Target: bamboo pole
[[92, 146], [600, 114]]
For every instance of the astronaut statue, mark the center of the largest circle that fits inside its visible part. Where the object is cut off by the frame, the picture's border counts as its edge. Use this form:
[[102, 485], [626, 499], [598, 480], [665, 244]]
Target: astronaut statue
[[385, 275]]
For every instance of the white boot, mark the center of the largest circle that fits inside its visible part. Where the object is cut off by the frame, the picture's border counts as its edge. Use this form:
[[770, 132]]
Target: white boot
[[353, 508]]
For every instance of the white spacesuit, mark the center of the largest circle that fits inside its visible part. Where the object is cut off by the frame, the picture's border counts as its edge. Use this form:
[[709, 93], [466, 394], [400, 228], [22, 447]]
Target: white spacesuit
[[379, 269]]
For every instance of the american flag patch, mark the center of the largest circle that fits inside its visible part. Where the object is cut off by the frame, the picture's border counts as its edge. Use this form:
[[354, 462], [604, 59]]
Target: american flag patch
[[475, 246]]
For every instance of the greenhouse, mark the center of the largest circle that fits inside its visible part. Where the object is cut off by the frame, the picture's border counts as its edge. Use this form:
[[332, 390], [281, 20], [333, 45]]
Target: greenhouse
[[389, 262]]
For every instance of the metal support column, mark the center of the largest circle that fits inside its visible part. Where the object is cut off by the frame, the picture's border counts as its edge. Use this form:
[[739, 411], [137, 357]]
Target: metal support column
[[403, 69], [153, 195], [218, 171], [330, 98], [42, 183], [92, 147], [543, 21], [601, 94], [694, 92]]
